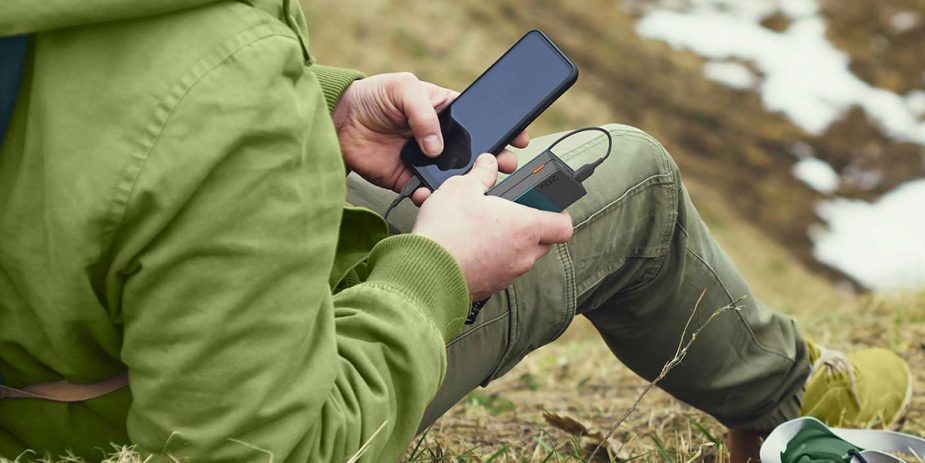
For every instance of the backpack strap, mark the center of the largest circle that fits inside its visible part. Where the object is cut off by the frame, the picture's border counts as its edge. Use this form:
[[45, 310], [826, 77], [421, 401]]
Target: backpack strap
[[63, 391]]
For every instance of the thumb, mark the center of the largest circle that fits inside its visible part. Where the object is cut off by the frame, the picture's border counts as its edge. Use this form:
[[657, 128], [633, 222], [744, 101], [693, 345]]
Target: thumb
[[484, 171], [555, 227]]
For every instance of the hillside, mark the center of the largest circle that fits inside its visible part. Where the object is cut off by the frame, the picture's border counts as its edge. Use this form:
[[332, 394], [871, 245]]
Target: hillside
[[720, 136]]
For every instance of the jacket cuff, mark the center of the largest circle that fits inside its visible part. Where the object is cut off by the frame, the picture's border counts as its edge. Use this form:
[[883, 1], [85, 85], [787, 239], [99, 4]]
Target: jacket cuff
[[334, 81], [427, 274]]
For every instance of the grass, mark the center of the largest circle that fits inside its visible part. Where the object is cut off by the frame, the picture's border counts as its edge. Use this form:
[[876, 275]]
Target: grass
[[557, 405]]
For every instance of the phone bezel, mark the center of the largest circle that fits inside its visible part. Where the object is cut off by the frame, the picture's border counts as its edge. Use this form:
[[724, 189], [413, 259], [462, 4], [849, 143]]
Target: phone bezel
[[424, 175]]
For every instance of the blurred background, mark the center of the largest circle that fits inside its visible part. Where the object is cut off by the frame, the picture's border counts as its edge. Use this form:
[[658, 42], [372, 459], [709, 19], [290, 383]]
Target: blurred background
[[799, 126]]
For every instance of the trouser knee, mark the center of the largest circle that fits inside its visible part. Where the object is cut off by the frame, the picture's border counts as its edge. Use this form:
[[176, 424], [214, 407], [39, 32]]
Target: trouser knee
[[626, 224], [636, 162]]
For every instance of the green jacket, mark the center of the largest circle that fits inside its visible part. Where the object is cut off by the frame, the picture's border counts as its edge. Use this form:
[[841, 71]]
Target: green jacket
[[172, 203]]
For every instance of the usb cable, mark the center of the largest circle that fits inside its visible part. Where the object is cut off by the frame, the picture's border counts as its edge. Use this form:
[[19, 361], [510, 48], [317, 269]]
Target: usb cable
[[406, 192]]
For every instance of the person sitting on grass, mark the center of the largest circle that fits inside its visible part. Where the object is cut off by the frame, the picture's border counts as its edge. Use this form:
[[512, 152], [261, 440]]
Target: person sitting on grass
[[173, 204]]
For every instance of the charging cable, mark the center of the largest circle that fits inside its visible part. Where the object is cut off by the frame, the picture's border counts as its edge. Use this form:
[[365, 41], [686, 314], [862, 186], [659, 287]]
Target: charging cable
[[586, 170], [581, 174], [406, 192]]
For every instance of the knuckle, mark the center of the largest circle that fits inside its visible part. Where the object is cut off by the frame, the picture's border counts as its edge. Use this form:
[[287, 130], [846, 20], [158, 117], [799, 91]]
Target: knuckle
[[567, 230], [426, 118], [407, 76], [524, 264], [453, 182]]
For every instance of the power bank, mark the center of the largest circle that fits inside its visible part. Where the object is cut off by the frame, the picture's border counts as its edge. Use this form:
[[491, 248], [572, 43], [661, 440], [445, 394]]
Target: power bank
[[546, 183]]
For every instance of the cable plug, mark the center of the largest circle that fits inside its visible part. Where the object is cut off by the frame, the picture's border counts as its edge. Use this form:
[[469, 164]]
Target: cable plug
[[406, 192]]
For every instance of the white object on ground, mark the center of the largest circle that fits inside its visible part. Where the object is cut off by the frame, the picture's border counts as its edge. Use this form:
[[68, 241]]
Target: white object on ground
[[915, 100], [730, 74], [881, 244], [816, 173], [805, 77]]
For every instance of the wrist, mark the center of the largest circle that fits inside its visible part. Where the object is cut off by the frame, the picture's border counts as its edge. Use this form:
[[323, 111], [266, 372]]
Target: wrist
[[342, 109]]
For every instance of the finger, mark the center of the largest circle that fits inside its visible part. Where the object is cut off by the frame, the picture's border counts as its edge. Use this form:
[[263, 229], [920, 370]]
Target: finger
[[541, 250], [507, 162], [521, 140], [422, 117], [485, 171], [403, 178], [555, 227], [420, 195], [439, 97]]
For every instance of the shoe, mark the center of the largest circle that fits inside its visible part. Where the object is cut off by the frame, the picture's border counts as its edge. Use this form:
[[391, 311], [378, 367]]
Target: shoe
[[868, 388]]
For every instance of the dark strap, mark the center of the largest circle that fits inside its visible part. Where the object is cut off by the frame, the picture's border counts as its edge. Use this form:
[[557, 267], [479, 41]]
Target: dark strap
[[12, 62]]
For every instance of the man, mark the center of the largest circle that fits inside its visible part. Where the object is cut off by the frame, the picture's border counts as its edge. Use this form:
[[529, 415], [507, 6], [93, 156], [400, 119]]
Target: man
[[172, 205]]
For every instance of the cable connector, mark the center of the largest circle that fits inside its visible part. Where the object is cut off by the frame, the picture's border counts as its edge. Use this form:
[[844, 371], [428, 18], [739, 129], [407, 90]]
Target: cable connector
[[406, 192], [585, 171]]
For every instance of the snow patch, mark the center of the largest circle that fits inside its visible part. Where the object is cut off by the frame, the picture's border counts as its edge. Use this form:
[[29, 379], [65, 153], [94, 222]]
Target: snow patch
[[799, 8], [805, 77], [915, 100], [730, 74], [882, 244], [816, 173]]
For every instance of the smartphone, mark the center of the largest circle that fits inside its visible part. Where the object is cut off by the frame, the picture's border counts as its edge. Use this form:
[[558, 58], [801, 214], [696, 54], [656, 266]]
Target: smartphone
[[501, 103]]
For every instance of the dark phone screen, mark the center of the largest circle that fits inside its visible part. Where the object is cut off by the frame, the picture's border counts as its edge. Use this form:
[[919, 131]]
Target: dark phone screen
[[483, 116]]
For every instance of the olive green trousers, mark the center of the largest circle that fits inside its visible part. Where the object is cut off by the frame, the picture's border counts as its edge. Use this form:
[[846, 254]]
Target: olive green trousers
[[640, 259]]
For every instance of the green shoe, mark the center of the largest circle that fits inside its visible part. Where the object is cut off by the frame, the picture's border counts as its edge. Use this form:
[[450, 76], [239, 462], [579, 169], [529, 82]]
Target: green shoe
[[870, 387]]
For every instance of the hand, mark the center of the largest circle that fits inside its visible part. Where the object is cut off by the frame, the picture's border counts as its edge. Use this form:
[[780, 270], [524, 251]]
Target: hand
[[376, 116], [493, 240]]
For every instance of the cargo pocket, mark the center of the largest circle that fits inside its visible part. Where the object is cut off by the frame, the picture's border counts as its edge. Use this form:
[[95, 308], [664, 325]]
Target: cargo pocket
[[541, 304]]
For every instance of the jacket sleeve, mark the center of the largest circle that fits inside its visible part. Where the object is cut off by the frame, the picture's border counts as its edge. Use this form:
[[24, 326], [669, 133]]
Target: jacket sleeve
[[334, 81], [236, 347]]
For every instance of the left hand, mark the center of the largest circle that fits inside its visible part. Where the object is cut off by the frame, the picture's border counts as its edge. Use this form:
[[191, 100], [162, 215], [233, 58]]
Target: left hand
[[376, 116]]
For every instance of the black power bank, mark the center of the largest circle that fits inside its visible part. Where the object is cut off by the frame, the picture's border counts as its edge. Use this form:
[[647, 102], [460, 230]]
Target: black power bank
[[546, 183]]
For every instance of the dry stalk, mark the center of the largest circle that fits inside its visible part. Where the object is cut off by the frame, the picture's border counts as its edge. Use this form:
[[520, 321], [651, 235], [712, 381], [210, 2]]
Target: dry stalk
[[679, 355], [359, 453]]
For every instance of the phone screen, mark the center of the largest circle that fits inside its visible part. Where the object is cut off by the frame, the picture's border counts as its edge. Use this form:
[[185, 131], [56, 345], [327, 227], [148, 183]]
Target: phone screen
[[498, 105]]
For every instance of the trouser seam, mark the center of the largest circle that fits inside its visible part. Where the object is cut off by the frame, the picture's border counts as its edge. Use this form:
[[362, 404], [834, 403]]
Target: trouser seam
[[742, 320], [632, 191], [571, 299], [673, 181], [512, 334], [477, 328]]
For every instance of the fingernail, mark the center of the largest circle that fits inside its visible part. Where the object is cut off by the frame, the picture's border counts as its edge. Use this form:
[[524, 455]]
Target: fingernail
[[432, 144]]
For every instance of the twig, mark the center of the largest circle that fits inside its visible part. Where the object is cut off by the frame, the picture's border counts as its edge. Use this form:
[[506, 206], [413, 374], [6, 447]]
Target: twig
[[679, 355], [359, 454]]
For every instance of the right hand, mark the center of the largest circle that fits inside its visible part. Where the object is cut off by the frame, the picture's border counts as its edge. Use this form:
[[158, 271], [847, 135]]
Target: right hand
[[493, 240], [376, 116]]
